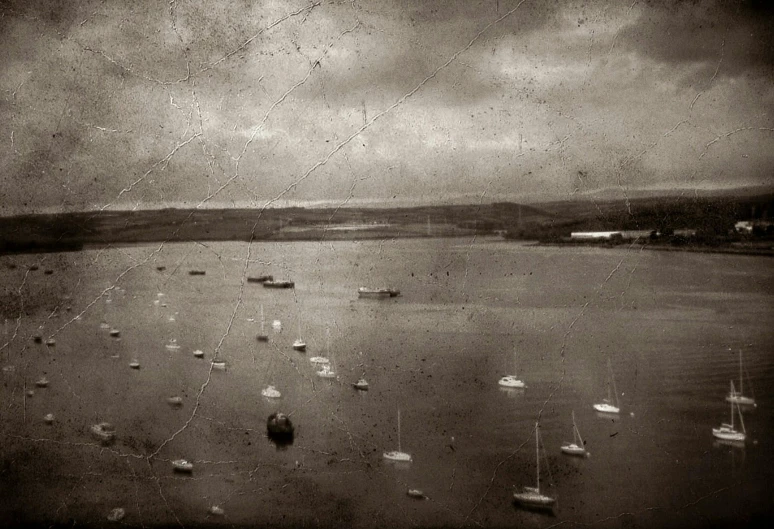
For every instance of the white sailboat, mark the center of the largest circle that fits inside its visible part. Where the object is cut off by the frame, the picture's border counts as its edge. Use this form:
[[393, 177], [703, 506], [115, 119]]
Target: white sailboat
[[326, 371], [299, 344], [577, 447], [728, 432], [606, 406], [263, 337], [531, 496], [397, 455], [737, 397], [511, 381]]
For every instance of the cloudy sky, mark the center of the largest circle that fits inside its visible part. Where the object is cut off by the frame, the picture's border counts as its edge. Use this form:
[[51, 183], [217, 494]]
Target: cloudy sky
[[118, 104]]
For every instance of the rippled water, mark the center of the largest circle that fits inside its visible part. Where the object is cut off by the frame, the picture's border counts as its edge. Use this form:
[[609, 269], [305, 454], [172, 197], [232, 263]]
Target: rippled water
[[470, 312]]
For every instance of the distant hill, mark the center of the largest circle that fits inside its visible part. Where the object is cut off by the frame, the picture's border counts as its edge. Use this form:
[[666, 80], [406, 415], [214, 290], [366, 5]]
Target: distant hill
[[73, 231]]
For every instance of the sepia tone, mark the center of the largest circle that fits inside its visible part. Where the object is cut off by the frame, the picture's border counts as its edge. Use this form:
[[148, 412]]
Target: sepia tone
[[391, 263]]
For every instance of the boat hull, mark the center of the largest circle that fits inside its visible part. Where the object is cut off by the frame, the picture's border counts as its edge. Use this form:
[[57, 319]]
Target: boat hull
[[606, 408], [299, 346], [740, 399], [397, 456], [511, 382], [573, 450], [534, 500], [278, 284], [728, 435]]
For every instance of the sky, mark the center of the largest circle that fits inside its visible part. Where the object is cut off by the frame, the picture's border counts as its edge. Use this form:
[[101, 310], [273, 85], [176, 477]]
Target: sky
[[114, 105]]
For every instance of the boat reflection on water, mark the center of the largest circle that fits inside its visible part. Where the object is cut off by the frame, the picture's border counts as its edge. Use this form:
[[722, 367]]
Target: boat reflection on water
[[721, 443], [615, 417], [512, 392]]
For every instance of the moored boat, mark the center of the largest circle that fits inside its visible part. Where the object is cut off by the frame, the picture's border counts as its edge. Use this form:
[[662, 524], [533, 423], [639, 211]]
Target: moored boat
[[738, 397], [397, 455], [577, 447], [367, 292], [278, 284], [531, 496], [606, 406], [728, 432]]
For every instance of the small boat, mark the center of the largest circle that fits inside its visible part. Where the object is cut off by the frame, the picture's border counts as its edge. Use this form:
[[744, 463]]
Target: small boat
[[326, 371], [577, 447], [271, 393], [51, 342], [511, 381], [366, 292], [115, 333], [737, 397], [278, 284], [134, 364], [263, 337], [104, 326], [42, 382], [531, 496], [175, 402], [299, 344], [727, 432], [606, 406], [416, 494], [196, 272], [103, 432], [276, 325], [49, 418], [319, 360], [198, 353], [361, 384], [182, 465], [260, 279], [172, 345], [397, 455], [219, 365], [217, 510]]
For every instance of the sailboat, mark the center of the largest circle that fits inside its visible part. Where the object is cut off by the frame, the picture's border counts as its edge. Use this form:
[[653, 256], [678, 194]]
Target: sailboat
[[737, 397], [511, 381], [263, 337], [531, 496], [607, 406], [326, 371], [727, 432], [577, 447], [397, 455], [299, 344]]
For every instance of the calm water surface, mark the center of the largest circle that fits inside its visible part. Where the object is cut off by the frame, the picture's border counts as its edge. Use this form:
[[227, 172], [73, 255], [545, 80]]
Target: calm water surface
[[471, 311]]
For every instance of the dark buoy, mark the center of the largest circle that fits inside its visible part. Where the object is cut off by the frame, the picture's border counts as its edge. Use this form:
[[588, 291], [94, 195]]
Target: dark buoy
[[280, 429]]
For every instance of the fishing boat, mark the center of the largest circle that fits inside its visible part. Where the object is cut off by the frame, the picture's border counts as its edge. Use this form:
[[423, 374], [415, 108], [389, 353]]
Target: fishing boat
[[263, 337], [531, 496], [577, 447], [366, 292], [606, 406], [326, 371], [278, 284], [737, 397], [361, 384], [727, 432], [397, 455]]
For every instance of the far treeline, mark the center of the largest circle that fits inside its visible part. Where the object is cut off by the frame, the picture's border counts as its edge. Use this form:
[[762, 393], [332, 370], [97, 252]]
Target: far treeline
[[711, 218]]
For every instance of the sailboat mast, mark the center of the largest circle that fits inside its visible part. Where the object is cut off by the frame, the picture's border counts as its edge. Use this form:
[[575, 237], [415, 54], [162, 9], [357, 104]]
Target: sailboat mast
[[399, 449], [732, 406], [741, 378], [615, 390], [537, 454], [741, 420]]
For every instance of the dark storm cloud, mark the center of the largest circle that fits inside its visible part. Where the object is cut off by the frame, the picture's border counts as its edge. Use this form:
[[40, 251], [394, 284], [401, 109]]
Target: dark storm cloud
[[700, 33]]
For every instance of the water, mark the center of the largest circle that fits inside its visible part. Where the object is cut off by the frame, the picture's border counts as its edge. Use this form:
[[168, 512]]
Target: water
[[470, 312]]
